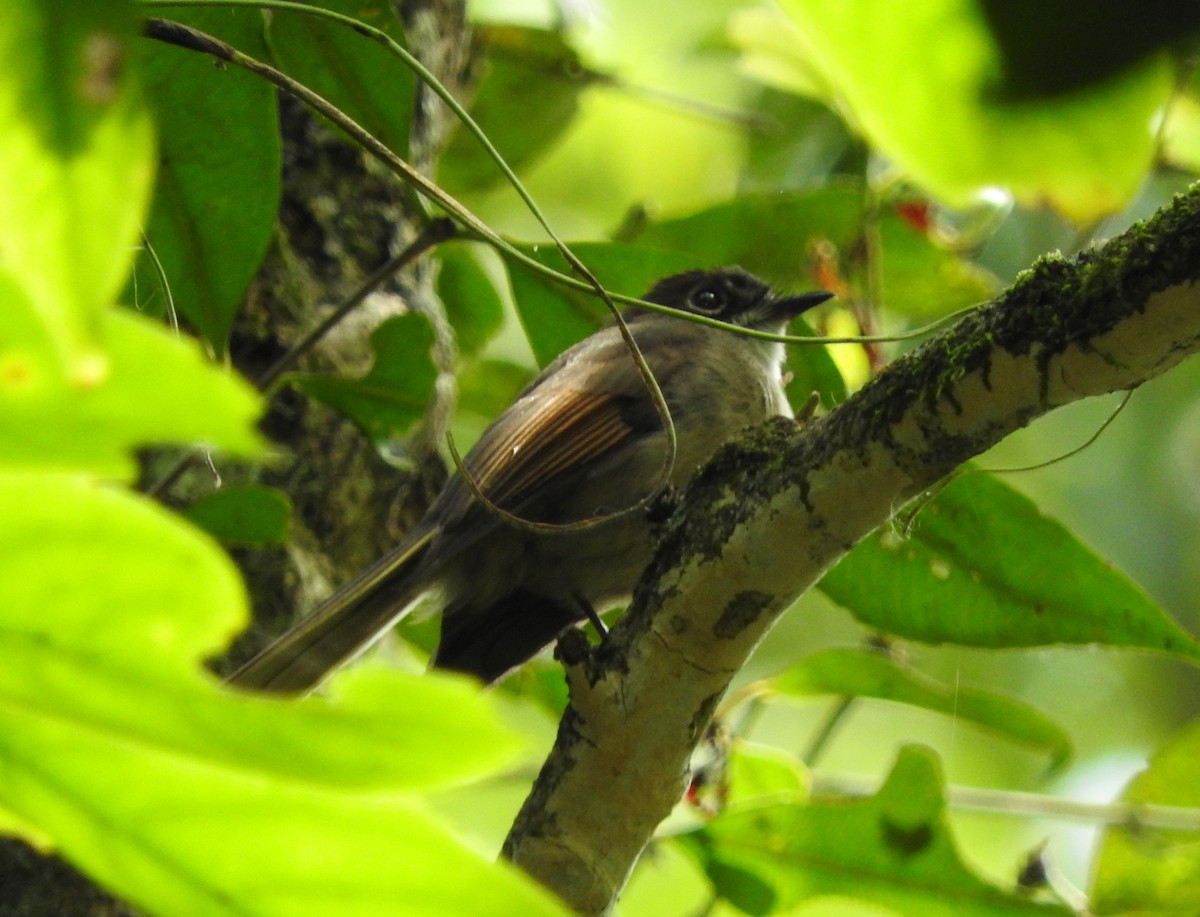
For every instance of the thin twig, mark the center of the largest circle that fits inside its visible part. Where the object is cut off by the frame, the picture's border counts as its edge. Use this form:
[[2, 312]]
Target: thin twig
[[1070, 453], [907, 517]]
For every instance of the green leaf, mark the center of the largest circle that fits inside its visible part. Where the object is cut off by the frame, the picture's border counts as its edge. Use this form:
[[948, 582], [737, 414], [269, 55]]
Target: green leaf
[[1181, 133], [924, 280], [893, 850], [76, 163], [1151, 871], [760, 772], [138, 598], [983, 567], [80, 384], [920, 86], [106, 602], [148, 387], [520, 126], [219, 176], [772, 50], [812, 370], [809, 146], [555, 317], [252, 514], [472, 301], [487, 387], [864, 673], [767, 234], [392, 396], [360, 76], [29, 362], [13, 826]]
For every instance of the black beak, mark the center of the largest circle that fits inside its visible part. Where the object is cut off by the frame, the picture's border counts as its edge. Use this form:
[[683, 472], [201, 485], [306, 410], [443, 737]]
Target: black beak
[[789, 307]]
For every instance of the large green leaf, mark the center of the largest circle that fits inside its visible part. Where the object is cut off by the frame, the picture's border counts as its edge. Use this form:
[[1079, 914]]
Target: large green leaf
[[866, 673], [919, 83], [983, 567], [149, 387], [392, 396], [519, 124], [82, 385], [361, 77], [107, 602], [76, 163], [924, 280], [894, 850], [219, 185], [1154, 872]]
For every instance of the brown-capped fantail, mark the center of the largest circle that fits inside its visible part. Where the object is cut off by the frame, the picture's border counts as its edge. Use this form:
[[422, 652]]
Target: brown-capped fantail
[[583, 440]]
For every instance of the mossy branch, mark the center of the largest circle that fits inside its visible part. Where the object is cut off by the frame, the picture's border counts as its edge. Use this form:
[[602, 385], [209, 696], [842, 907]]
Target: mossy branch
[[771, 513]]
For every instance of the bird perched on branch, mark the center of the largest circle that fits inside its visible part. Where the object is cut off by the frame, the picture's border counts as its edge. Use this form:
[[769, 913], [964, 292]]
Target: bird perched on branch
[[585, 441]]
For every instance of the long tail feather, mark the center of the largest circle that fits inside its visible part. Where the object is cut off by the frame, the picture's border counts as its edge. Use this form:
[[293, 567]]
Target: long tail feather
[[340, 628]]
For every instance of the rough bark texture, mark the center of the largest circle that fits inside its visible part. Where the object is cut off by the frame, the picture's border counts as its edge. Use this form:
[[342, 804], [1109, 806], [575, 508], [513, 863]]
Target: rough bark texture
[[768, 515]]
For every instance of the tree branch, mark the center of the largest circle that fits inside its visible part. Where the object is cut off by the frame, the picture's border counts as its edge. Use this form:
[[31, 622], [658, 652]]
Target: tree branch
[[771, 513]]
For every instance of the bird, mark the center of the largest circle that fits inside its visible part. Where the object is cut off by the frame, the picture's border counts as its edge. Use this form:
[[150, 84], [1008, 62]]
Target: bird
[[583, 441]]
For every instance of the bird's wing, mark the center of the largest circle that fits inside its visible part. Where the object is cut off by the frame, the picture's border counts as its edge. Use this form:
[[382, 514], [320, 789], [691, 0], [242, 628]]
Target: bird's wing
[[555, 428]]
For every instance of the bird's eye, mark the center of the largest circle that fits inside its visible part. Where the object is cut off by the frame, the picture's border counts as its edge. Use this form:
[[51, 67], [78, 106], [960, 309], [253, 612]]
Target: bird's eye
[[706, 299]]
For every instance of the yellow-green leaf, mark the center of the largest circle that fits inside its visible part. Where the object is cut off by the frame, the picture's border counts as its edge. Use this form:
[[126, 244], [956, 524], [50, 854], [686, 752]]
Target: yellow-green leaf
[[76, 163], [186, 797], [919, 82], [1154, 871], [893, 850]]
